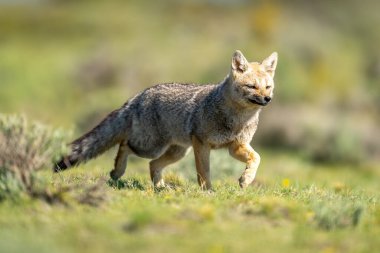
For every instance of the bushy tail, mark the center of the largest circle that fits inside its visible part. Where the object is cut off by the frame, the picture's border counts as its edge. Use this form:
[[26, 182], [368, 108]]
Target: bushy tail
[[101, 138]]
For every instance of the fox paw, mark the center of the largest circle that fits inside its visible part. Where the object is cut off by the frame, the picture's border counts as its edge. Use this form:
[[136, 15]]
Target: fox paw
[[115, 175], [159, 184], [246, 180]]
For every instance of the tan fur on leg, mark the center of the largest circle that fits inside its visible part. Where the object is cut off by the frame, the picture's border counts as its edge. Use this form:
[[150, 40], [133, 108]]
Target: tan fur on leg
[[245, 153]]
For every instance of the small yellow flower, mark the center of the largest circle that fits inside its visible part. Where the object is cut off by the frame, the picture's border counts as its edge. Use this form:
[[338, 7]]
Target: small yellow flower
[[286, 183], [310, 215], [217, 248], [339, 186], [207, 212], [329, 250], [167, 197]]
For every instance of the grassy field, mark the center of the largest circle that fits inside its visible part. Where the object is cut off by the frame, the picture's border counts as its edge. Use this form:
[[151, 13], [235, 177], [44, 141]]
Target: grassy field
[[69, 63], [292, 207]]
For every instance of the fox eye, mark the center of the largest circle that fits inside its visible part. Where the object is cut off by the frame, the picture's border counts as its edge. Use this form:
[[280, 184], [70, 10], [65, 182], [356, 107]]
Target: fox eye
[[251, 86], [268, 87]]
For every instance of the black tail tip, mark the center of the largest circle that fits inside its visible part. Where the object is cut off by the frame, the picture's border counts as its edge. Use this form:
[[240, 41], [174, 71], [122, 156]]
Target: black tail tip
[[63, 164], [59, 166]]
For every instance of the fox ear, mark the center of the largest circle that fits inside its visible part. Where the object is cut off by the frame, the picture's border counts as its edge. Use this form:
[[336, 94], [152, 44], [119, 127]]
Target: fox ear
[[239, 63], [270, 63]]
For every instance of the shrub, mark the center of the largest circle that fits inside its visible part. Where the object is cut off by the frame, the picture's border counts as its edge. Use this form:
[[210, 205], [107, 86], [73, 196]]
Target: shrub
[[337, 215], [24, 149]]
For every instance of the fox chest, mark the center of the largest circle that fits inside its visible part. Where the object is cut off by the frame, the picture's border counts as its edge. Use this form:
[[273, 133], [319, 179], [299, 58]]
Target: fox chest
[[232, 130]]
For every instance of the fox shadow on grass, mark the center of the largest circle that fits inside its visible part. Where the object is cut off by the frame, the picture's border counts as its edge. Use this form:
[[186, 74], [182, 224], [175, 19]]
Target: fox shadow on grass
[[173, 183], [130, 184]]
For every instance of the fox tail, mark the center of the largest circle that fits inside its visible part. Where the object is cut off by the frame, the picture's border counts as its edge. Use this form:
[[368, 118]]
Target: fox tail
[[105, 135]]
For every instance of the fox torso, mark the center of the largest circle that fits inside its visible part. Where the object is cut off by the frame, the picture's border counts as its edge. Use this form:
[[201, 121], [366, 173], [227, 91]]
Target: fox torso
[[161, 116], [170, 114]]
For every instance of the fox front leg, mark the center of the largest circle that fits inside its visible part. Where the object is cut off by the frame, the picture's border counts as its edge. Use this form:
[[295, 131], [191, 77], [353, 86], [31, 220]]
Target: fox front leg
[[246, 154], [202, 163]]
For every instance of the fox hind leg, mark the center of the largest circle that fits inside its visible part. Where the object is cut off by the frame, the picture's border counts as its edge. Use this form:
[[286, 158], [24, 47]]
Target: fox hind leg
[[120, 161], [156, 166]]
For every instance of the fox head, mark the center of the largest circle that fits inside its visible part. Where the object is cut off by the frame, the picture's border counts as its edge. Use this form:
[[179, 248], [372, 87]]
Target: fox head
[[252, 82]]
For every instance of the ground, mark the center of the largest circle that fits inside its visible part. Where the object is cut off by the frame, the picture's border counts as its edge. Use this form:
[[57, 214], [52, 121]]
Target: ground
[[293, 206]]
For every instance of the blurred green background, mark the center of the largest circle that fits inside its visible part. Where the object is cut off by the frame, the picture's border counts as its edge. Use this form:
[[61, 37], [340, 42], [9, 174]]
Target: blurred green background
[[69, 63]]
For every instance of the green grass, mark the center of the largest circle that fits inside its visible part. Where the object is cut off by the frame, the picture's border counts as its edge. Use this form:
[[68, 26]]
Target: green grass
[[293, 207]]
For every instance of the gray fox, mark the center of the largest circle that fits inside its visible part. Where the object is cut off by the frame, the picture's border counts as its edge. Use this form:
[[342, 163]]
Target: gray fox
[[164, 121]]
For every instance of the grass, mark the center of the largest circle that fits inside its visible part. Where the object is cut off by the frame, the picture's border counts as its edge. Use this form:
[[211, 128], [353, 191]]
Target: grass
[[294, 206]]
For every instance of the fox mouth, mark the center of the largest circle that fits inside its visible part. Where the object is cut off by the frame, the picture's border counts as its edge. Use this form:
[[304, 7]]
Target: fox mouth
[[258, 101]]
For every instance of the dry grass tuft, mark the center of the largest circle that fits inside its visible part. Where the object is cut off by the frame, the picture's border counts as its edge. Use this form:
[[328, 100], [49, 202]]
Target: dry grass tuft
[[26, 148]]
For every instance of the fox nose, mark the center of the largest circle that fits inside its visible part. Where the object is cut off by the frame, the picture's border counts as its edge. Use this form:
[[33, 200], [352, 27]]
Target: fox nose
[[267, 99]]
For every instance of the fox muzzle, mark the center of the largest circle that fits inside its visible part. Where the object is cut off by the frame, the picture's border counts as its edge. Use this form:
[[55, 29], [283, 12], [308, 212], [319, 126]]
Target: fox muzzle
[[263, 101]]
